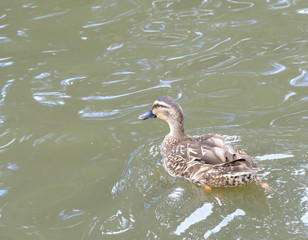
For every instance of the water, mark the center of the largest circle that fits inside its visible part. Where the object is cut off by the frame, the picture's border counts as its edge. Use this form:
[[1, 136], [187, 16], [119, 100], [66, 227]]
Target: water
[[76, 163]]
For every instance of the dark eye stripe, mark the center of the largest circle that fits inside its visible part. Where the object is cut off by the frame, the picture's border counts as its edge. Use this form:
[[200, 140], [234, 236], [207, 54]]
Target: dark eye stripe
[[158, 105]]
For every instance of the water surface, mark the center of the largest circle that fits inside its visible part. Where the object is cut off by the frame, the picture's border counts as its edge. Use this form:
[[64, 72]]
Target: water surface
[[76, 163]]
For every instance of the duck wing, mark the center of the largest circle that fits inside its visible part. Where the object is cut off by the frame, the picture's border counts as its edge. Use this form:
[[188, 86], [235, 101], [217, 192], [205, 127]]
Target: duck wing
[[210, 149]]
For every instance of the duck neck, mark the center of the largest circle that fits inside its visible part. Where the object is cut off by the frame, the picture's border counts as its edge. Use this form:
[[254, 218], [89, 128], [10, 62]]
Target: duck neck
[[176, 130]]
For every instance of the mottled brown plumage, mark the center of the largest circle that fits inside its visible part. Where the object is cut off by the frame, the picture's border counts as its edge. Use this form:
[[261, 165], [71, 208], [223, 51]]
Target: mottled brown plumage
[[207, 159]]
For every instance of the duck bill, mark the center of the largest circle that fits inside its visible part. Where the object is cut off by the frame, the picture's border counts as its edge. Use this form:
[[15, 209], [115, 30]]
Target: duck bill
[[147, 115]]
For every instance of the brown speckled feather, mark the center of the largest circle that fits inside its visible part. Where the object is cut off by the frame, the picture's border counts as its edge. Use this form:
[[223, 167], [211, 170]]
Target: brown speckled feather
[[208, 159]]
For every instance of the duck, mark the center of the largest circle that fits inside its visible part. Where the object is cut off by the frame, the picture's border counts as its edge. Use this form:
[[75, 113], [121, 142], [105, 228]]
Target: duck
[[208, 160]]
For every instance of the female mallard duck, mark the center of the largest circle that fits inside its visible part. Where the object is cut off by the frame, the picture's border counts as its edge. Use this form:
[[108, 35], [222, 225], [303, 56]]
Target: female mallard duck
[[208, 159]]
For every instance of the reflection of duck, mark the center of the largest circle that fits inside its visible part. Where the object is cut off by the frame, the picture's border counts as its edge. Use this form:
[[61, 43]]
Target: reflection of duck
[[208, 159]]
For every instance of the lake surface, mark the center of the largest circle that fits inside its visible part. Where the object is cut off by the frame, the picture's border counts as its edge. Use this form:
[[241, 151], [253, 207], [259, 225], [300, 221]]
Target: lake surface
[[76, 163]]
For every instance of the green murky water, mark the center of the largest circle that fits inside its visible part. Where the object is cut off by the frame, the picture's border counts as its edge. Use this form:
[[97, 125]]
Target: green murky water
[[75, 163]]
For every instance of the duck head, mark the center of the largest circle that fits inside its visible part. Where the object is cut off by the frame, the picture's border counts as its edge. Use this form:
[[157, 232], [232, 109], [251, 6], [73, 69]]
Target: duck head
[[167, 109]]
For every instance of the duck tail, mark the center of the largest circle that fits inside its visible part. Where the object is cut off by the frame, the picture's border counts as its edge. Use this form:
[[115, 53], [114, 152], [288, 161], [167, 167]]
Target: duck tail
[[237, 172]]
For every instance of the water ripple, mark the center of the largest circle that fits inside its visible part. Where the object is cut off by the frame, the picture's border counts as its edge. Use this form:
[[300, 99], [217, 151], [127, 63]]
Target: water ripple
[[290, 118], [3, 16], [4, 90], [7, 144], [113, 20], [198, 215], [109, 114], [156, 26], [238, 6], [70, 81], [55, 51], [279, 4], [242, 23], [29, 202], [50, 98], [51, 15], [301, 80], [119, 223], [277, 69], [273, 156], [115, 46], [224, 222], [162, 84], [302, 11], [5, 40], [4, 63]]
